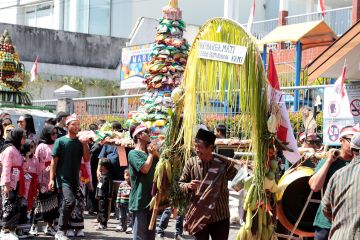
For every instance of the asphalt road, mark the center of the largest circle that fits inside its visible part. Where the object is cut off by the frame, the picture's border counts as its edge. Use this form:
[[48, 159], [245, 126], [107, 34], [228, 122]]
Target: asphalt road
[[111, 234]]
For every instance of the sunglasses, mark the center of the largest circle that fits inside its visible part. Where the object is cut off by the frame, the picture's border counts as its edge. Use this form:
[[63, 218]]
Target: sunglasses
[[20, 121], [32, 146], [53, 133], [347, 139]]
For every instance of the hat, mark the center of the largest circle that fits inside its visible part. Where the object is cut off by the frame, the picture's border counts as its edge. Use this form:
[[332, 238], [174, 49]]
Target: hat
[[206, 136], [348, 130], [72, 117], [139, 129], [355, 141]]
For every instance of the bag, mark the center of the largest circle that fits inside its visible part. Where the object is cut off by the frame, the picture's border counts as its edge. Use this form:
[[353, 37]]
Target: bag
[[239, 180]]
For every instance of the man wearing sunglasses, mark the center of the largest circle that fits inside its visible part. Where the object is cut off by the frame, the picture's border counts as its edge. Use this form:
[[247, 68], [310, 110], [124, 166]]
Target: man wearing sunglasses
[[340, 203], [324, 171]]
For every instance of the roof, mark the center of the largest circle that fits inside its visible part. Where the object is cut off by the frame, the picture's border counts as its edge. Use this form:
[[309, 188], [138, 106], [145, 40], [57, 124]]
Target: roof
[[330, 62], [310, 34]]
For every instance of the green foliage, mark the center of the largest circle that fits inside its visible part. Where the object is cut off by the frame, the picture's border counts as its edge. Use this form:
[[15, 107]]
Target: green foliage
[[75, 82]]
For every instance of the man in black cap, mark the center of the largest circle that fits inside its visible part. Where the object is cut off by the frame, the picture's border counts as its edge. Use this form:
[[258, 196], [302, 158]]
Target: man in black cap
[[205, 177]]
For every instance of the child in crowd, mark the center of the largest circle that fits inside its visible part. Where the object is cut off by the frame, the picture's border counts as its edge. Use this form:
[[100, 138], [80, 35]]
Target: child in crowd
[[122, 203], [104, 192], [30, 173]]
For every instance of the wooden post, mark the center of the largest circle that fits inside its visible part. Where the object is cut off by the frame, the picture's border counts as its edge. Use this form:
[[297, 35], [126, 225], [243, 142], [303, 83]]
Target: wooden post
[[355, 11]]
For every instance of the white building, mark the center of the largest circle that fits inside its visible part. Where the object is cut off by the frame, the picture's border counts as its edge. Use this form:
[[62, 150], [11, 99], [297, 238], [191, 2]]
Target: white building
[[118, 17]]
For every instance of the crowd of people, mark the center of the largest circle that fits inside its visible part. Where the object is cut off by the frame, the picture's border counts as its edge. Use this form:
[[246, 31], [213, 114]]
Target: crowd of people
[[54, 176]]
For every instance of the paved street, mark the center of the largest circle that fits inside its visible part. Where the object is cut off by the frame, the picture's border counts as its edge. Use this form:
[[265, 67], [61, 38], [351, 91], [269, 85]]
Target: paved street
[[110, 234]]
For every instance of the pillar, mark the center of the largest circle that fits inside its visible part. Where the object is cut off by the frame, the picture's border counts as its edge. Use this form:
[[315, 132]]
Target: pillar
[[297, 75], [355, 11]]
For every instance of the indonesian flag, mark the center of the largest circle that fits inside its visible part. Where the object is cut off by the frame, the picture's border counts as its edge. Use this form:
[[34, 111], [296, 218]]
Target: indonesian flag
[[321, 7], [34, 69], [339, 84], [251, 17], [284, 132]]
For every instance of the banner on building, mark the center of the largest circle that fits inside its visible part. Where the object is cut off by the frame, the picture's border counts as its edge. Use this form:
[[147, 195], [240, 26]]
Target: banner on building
[[339, 112], [134, 60]]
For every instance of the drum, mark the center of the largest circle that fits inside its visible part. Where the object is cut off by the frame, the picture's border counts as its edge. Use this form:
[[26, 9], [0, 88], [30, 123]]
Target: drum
[[292, 199]]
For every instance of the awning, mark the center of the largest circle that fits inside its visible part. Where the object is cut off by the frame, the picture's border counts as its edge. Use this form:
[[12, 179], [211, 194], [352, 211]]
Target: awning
[[310, 34], [330, 62]]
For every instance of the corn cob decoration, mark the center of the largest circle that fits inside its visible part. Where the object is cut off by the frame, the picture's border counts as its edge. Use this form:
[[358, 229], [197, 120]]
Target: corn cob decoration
[[243, 86]]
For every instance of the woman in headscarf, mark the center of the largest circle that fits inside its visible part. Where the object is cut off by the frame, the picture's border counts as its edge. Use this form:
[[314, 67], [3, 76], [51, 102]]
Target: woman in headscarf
[[12, 181], [26, 122], [47, 203]]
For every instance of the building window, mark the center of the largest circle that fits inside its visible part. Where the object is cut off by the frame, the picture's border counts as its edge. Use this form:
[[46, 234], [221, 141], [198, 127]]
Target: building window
[[40, 16], [99, 20]]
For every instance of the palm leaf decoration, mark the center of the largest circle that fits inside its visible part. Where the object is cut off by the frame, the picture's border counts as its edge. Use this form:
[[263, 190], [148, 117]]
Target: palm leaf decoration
[[243, 87]]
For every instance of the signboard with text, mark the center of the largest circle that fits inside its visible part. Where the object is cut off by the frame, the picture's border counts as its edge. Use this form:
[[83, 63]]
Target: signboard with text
[[340, 112], [134, 60], [222, 52]]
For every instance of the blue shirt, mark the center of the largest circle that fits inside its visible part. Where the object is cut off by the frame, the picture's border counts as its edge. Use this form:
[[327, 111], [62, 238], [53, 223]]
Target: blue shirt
[[110, 152]]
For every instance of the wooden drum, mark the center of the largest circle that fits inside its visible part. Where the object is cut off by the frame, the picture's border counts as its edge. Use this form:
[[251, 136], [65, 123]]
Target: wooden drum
[[292, 199]]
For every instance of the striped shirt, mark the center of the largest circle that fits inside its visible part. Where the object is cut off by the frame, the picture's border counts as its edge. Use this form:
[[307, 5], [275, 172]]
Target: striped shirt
[[195, 169], [341, 202]]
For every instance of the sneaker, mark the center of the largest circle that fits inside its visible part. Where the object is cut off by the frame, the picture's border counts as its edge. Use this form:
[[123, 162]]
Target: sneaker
[[34, 230], [49, 231], [70, 233], [160, 236], [60, 235], [80, 233], [21, 234], [100, 227], [8, 236], [129, 230], [119, 228]]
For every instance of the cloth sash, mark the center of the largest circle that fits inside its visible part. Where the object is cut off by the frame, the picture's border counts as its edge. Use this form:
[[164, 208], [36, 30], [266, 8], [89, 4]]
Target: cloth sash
[[21, 186], [85, 178], [204, 201], [33, 190]]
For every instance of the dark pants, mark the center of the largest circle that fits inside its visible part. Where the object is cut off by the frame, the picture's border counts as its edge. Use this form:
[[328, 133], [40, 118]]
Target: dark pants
[[217, 230], [321, 233], [141, 221], [10, 210], [164, 221], [125, 215], [67, 206], [104, 210]]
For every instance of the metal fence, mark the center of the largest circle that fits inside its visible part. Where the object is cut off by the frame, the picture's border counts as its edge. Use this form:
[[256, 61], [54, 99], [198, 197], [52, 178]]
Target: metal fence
[[217, 112], [260, 29], [338, 19]]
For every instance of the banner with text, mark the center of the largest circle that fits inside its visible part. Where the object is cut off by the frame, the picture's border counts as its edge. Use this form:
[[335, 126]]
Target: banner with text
[[134, 60], [340, 112], [222, 52]]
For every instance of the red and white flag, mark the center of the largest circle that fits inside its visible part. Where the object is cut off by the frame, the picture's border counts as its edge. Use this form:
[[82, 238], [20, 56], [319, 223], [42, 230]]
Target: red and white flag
[[284, 132], [34, 70], [321, 7], [251, 17], [339, 84]]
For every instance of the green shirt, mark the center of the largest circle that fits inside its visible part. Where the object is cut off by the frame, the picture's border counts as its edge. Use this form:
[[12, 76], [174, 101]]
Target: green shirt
[[69, 152], [320, 220], [141, 184]]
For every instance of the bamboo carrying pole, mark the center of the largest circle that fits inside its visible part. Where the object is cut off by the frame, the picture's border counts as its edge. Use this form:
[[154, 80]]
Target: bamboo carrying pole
[[155, 211]]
